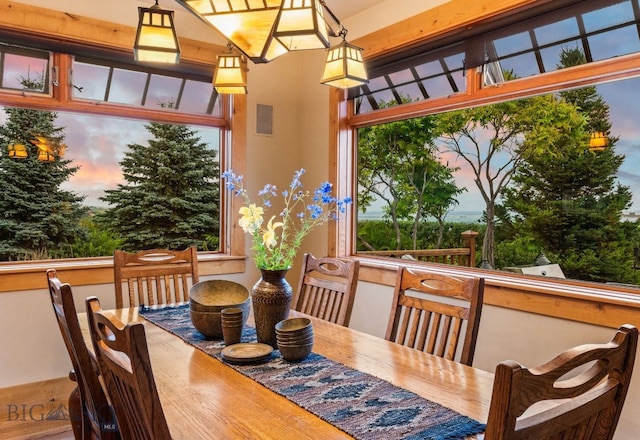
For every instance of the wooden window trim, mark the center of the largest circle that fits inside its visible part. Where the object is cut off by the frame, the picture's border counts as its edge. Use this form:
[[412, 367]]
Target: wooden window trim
[[43, 25], [29, 275], [600, 304]]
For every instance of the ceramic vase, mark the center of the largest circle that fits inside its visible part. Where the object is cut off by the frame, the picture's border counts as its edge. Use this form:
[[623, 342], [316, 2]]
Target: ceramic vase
[[271, 298]]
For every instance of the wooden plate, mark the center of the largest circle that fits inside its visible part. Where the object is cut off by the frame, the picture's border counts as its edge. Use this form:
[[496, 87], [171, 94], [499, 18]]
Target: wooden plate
[[247, 352]]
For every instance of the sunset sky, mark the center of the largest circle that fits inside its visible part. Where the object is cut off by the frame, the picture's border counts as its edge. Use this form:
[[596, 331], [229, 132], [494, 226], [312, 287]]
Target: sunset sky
[[98, 143]]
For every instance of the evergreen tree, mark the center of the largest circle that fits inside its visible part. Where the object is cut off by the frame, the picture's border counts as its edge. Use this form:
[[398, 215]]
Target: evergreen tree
[[571, 204], [171, 196], [37, 218]]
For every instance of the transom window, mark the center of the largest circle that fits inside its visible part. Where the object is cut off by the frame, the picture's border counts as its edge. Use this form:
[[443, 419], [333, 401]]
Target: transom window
[[18, 64], [94, 81], [599, 29]]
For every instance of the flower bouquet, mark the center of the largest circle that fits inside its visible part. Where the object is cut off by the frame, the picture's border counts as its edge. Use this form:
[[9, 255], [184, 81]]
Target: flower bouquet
[[276, 243]]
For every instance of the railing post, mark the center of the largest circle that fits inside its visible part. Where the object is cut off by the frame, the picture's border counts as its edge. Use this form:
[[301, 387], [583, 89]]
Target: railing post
[[469, 238]]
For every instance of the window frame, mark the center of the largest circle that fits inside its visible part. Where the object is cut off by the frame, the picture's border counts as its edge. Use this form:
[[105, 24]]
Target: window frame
[[568, 299], [80, 33]]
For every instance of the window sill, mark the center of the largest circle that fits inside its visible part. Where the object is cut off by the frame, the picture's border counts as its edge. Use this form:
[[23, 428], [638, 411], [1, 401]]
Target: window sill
[[600, 304], [28, 275]]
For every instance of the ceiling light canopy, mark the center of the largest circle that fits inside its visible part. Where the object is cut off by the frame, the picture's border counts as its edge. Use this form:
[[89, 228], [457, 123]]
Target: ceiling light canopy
[[156, 39]]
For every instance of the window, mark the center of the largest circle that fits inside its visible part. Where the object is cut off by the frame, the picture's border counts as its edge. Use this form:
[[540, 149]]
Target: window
[[92, 161], [95, 81], [531, 55], [600, 30], [19, 64]]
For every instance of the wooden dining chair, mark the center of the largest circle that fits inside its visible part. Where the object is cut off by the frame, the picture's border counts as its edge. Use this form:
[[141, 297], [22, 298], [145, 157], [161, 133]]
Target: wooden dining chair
[[428, 312], [580, 393], [327, 288], [154, 277], [123, 358], [90, 412]]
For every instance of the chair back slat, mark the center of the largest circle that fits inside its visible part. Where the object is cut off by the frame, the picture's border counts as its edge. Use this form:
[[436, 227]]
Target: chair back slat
[[96, 418], [327, 288], [580, 392], [154, 277], [420, 321], [123, 357]]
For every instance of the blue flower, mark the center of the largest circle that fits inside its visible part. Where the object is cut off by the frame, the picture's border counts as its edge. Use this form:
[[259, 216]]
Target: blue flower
[[276, 244]]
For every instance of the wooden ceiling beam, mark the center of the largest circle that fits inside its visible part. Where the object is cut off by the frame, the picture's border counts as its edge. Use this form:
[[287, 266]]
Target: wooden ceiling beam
[[23, 19]]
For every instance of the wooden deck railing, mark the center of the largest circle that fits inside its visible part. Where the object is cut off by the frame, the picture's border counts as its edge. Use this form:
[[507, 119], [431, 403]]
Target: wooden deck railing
[[465, 256]]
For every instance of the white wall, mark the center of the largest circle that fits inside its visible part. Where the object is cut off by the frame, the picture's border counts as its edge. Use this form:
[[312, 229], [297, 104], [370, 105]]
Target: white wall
[[31, 346], [291, 84]]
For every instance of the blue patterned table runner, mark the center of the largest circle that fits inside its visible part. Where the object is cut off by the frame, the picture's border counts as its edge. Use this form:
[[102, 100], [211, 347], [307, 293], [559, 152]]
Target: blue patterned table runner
[[362, 405]]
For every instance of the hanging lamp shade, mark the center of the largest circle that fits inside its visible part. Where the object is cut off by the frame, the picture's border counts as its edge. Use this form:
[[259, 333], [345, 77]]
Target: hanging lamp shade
[[248, 24], [301, 25], [230, 76], [598, 142], [18, 150], [344, 67], [45, 149], [156, 39]]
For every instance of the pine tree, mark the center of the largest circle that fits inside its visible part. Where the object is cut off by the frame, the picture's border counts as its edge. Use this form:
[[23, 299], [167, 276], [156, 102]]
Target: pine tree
[[37, 218], [171, 196], [571, 204]]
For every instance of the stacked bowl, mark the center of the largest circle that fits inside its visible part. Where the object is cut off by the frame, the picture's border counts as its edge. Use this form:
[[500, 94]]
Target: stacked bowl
[[295, 338], [208, 298]]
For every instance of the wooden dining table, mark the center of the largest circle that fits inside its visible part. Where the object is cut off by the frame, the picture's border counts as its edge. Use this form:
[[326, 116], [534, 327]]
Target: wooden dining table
[[204, 398]]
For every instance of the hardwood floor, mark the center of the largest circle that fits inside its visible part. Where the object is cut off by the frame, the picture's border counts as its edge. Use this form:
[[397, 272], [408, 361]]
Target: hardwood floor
[[36, 411], [61, 436]]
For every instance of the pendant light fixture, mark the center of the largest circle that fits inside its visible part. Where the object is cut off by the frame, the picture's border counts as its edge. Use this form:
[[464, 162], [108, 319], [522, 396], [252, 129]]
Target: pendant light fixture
[[156, 39], [17, 150], [230, 76], [301, 25], [248, 25], [344, 67], [47, 150], [598, 141], [262, 30]]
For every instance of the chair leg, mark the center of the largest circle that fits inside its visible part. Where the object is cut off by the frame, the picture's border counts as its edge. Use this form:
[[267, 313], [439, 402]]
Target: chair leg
[[76, 414]]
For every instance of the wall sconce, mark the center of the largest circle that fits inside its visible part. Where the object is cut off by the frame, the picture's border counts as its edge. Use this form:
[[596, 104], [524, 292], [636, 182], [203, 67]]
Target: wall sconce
[[156, 39], [230, 76], [301, 25], [248, 25], [598, 142]]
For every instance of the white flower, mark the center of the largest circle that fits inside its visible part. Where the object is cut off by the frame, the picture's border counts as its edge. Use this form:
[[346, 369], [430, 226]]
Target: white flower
[[251, 219], [269, 236]]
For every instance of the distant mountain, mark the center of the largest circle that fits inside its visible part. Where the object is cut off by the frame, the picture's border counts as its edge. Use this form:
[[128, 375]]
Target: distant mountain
[[453, 217]]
